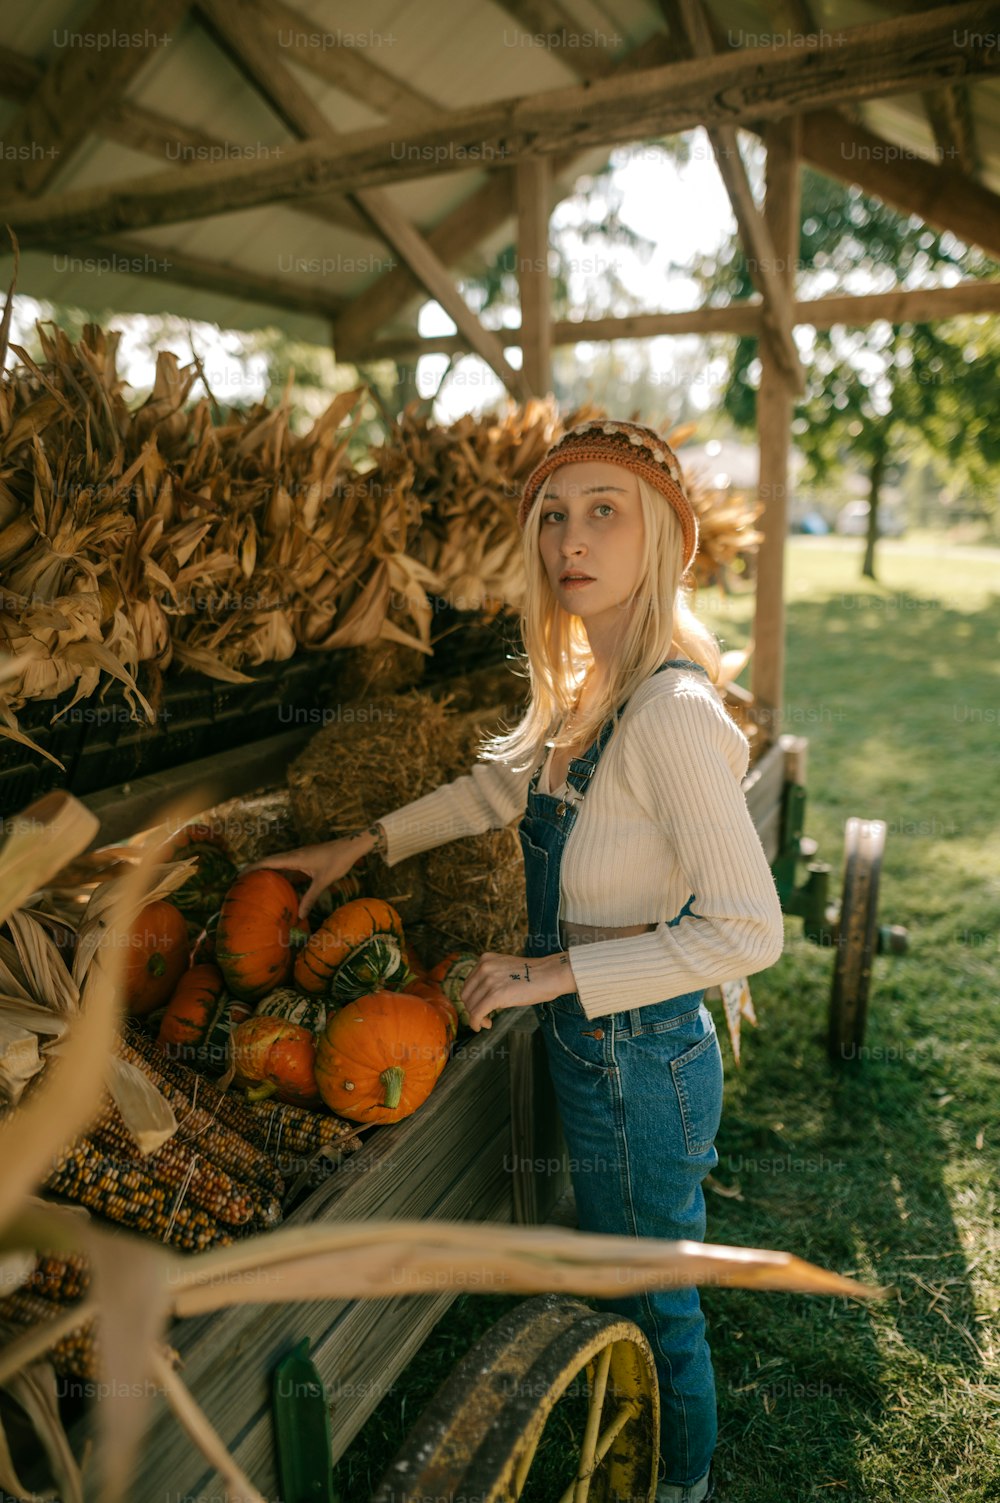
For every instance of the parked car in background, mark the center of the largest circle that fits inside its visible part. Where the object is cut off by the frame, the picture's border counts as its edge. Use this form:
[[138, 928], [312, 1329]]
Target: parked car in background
[[852, 521]]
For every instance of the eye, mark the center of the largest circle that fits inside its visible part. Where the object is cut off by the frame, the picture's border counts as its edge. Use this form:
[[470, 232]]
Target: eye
[[547, 514]]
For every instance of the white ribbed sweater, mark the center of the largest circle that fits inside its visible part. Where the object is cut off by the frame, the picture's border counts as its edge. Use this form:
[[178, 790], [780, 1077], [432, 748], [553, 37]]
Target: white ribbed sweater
[[664, 816]]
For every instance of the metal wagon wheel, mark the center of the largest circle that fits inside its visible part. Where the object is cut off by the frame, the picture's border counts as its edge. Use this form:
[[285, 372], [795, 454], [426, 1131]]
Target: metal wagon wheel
[[857, 936], [478, 1439]]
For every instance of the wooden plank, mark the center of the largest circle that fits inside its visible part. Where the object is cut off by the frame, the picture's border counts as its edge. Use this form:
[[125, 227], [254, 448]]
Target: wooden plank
[[449, 1161], [919, 305], [88, 70], [136, 805], [165, 264], [763, 84], [775, 401], [534, 190], [763, 784], [539, 1156]]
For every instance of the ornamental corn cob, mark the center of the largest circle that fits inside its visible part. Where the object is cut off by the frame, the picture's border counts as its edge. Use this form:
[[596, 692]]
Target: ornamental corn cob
[[74, 1355], [228, 1107], [126, 1193], [198, 1127], [284, 1132], [181, 1167], [60, 1279]]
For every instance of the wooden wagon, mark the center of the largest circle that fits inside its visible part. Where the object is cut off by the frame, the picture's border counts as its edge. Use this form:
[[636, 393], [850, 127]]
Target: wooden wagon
[[486, 1146]]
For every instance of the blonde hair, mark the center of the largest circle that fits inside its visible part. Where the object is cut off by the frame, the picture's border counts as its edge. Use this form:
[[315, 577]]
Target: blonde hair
[[557, 652]]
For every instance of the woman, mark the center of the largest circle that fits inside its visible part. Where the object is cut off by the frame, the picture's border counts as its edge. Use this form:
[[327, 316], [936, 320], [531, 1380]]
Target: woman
[[635, 815]]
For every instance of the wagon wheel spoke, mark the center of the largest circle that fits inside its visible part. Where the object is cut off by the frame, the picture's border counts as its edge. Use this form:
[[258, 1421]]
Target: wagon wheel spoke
[[482, 1434]]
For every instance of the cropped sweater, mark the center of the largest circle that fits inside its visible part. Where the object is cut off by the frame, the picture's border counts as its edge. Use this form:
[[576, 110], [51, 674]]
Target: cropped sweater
[[664, 816]]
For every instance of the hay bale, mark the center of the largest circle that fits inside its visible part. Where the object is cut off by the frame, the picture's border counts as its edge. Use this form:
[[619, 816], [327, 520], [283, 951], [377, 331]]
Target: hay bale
[[468, 893], [379, 667]]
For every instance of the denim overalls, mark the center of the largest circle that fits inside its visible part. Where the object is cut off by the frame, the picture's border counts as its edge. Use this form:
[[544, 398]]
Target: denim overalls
[[639, 1095]]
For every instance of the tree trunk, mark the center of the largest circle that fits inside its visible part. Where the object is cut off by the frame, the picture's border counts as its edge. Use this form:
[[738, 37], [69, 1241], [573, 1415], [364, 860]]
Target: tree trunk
[[875, 486]]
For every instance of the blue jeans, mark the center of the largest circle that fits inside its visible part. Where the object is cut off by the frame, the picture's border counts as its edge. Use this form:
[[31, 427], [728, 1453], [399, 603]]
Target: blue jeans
[[639, 1095]]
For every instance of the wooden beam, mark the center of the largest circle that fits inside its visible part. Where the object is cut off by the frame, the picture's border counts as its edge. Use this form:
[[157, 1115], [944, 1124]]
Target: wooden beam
[[759, 83], [775, 404], [766, 273], [949, 114], [140, 129], [463, 229], [89, 69], [251, 46], [937, 194], [919, 305], [163, 263], [590, 54], [534, 186], [353, 69]]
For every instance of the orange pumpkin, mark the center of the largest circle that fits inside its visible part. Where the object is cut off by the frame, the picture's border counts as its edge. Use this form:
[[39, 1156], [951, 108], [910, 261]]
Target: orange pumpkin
[[451, 974], [199, 1019], [433, 994], [258, 933], [157, 956], [275, 1058], [339, 892], [356, 950], [379, 1056]]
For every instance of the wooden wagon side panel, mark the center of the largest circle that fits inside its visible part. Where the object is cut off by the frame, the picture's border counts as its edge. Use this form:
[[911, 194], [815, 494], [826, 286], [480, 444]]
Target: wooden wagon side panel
[[452, 1160]]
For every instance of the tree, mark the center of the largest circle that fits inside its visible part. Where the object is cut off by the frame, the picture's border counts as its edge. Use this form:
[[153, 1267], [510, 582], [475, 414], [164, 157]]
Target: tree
[[878, 393]]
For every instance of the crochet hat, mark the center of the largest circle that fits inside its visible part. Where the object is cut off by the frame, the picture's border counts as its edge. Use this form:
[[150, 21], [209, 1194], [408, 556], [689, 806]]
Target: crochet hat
[[629, 444]]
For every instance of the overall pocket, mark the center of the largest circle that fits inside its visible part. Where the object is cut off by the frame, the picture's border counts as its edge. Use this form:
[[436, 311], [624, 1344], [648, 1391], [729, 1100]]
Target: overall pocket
[[697, 1076], [586, 1041]]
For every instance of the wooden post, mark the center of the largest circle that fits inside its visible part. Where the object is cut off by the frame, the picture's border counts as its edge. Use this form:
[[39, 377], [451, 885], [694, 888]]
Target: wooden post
[[534, 186], [774, 430]]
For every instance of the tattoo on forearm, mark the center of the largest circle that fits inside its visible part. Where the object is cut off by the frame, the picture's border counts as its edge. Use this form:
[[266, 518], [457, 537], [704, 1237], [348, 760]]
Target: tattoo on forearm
[[377, 833]]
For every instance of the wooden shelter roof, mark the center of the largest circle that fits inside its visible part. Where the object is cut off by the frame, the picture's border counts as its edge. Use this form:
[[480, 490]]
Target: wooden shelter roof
[[322, 166]]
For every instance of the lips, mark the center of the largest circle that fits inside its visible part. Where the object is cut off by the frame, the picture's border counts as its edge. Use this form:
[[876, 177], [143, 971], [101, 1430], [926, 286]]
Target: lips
[[569, 578]]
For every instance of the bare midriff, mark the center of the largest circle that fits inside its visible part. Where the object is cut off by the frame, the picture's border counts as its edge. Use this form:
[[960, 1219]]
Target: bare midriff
[[582, 934]]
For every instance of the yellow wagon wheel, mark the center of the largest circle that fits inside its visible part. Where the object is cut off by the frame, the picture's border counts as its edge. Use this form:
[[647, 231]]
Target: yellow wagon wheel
[[480, 1438]]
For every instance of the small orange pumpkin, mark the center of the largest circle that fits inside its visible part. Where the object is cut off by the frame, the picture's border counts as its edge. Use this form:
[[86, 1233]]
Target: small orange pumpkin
[[275, 1058], [380, 1056], [257, 933], [451, 974], [432, 993], [158, 955], [356, 950], [200, 1018]]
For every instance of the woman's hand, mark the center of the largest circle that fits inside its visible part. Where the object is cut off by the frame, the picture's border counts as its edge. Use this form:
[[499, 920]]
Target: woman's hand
[[323, 863], [497, 982]]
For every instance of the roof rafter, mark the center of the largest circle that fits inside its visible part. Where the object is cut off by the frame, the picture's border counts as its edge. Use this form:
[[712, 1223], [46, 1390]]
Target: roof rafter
[[140, 129], [760, 83], [249, 43], [465, 227], [767, 273], [81, 81]]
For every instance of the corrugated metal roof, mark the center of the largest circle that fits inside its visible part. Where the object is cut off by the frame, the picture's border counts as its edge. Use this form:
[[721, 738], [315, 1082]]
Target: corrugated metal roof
[[450, 53]]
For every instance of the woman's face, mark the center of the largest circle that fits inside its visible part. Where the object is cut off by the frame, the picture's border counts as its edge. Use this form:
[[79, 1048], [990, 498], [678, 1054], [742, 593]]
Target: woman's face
[[591, 523]]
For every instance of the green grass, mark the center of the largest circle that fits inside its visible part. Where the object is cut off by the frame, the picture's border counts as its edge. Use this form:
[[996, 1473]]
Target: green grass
[[886, 1170]]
